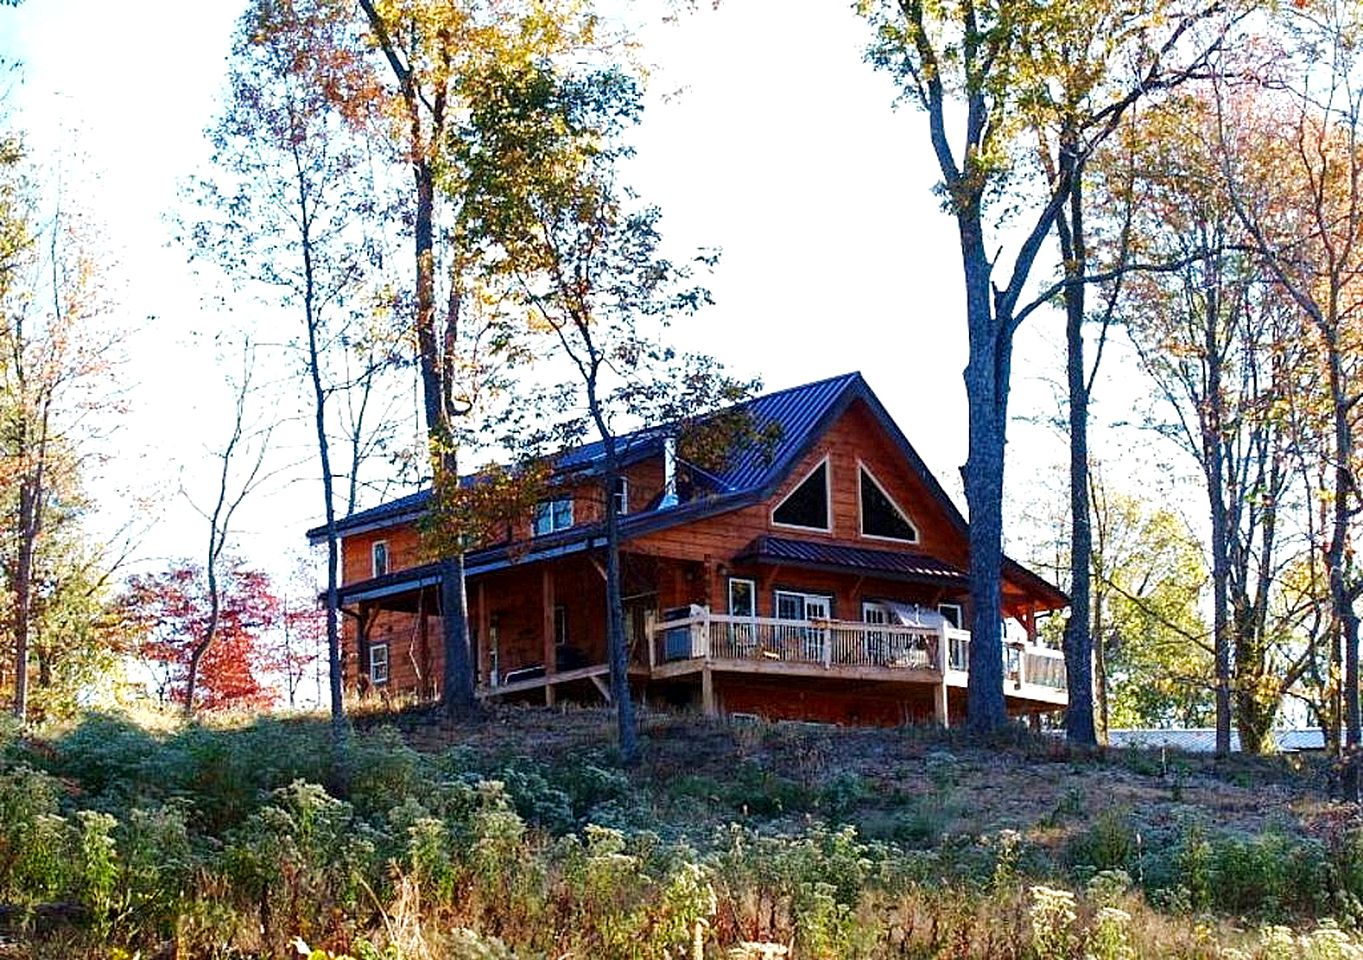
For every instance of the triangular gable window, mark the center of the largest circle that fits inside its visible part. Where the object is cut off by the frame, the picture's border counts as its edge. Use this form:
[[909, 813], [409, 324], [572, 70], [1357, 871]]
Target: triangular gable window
[[807, 504], [881, 516]]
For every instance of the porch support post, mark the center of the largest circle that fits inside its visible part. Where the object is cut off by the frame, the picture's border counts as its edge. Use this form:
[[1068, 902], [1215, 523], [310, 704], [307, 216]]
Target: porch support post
[[484, 637], [707, 691], [550, 664], [364, 622], [425, 687], [939, 705], [650, 622]]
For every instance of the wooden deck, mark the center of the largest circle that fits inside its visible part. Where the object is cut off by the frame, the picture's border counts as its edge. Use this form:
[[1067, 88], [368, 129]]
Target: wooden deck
[[707, 643]]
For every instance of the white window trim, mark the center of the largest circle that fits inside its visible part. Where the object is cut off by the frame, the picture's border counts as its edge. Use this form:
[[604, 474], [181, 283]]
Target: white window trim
[[804, 595], [861, 520], [621, 496], [875, 605], [374, 558], [942, 608], [827, 497], [752, 586], [374, 677]]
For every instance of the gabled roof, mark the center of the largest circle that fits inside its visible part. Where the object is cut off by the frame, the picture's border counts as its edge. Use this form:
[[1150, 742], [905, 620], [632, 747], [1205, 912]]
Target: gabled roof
[[798, 414]]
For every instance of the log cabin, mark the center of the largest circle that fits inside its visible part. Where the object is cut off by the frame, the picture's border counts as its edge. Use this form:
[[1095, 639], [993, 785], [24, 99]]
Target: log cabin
[[821, 577]]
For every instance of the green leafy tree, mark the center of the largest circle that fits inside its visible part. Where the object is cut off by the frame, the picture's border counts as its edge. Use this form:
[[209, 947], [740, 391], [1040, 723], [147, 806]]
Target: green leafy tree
[[581, 259], [431, 52], [1006, 71]]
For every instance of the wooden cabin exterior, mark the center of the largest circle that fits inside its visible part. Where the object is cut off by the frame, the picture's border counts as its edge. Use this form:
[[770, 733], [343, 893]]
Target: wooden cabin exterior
[[819, 578]]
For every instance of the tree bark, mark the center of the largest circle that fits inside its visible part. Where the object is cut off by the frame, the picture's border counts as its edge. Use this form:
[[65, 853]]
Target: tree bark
[[986, 382], [1078, 641], [617, 650]]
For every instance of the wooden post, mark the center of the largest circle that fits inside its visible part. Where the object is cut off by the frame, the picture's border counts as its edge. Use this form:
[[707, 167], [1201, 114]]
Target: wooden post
[[707, 691], [426, 688], [550, 660], [484, 637], [650, 624], [939, 705]]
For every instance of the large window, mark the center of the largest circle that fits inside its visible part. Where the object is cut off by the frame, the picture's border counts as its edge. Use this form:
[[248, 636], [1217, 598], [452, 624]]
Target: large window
[[553, 515], [807, 505], [621, 496], [379, 556], [378, 663], [881, 517]]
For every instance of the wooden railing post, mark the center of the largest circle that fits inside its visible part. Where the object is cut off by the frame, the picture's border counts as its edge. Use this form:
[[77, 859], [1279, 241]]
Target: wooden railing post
[[827, 647], [650, 626]]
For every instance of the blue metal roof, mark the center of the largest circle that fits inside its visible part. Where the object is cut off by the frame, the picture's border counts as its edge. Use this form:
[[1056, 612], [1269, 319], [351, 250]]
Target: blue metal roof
[[835, 556], [796, 414]]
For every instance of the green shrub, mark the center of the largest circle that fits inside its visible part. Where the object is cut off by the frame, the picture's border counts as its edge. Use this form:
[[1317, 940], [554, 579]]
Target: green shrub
[[1109, 843], [303, 858], [34, 838]]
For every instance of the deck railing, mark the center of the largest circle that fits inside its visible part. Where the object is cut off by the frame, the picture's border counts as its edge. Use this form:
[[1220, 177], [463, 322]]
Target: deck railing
[[841, 643]]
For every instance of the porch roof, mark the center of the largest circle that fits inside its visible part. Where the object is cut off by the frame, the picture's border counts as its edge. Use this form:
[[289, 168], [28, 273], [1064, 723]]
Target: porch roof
[[820, 555]]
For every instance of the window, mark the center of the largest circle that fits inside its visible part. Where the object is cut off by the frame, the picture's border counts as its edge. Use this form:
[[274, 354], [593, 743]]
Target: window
[[880, 516], [378, 663], [953, 613], [553, 515], [742, 597], [803, 606], [807, 505], [621, 495], [379, 554], [802, 643], [561, 625]]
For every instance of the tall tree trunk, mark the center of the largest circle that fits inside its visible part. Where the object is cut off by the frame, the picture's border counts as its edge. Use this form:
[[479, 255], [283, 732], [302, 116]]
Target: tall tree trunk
[[1214, 465], [458, 695], [29, 517], [617, 649], [1078, 640], [319, 398], [1340, 598], [986, 382]]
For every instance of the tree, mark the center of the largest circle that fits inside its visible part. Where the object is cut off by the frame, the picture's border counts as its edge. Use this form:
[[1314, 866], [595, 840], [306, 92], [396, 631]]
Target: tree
[[430, 51], [291, 215], [1015, 68], [57, 352], [1153, 655], [544, 150], [172, 610], [1220, 343], [1308, 231], [240, 472]]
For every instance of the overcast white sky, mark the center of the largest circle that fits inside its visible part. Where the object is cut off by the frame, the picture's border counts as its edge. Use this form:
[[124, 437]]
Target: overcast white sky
[[767, 136]]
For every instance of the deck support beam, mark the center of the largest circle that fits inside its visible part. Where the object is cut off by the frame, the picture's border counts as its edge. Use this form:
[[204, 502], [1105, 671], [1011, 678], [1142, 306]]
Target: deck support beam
[[939, 705], [707, 691]]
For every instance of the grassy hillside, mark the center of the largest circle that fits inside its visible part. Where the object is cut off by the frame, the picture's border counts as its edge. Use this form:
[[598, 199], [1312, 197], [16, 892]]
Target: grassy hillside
[[519, 836]]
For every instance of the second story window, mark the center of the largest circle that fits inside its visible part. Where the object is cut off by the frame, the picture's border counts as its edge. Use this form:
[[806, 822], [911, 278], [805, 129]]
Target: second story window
[[621, 495], [379, 553], [553, 515]]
